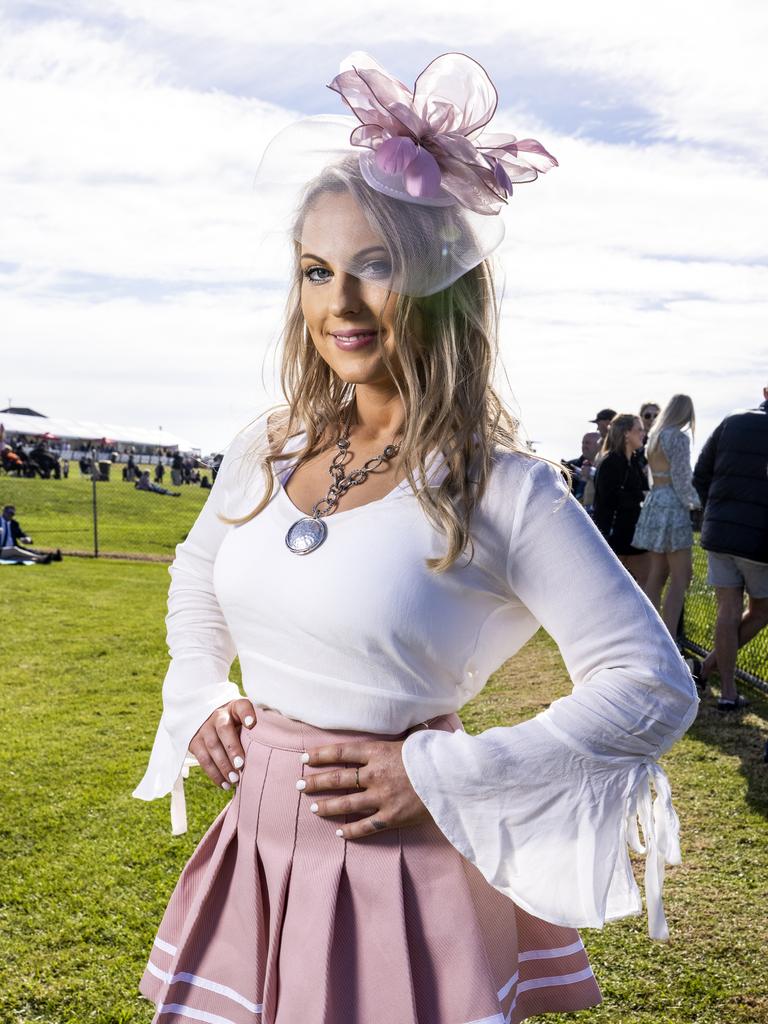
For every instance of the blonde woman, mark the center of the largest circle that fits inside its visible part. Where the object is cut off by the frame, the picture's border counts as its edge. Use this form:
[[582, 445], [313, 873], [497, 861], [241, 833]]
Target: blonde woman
[[664, 526], [373, 551], [620, 486]]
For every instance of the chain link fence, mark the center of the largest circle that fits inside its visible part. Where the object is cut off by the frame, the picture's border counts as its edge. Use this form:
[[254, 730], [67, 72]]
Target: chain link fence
[[699, 627]]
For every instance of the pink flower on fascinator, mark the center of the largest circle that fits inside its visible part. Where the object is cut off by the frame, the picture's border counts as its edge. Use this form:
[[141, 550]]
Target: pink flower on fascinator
[[428, 145]]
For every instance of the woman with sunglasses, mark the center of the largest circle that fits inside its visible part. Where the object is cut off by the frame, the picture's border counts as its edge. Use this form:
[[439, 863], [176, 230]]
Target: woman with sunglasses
[[648, 413]]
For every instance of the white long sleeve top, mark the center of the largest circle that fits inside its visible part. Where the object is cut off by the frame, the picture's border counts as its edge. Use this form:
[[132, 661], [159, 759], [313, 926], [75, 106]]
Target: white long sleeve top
[[361, 635]]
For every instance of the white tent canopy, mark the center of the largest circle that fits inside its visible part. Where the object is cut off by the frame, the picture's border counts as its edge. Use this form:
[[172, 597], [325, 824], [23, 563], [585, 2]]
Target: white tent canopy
[[90, 430]]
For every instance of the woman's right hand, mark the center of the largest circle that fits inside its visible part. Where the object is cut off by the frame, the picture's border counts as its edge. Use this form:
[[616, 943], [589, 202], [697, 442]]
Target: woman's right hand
[[216, 744]]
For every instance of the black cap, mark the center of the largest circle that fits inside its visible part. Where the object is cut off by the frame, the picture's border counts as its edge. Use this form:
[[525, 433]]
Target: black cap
[[604, 414]]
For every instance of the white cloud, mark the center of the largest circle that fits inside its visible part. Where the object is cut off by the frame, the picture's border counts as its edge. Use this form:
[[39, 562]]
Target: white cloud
[[110, 171], [634, 270], [699, 68], [70, 52], [200, 365]]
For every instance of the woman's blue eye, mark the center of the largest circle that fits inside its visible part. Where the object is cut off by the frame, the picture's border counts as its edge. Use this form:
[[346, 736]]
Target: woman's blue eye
[[374, 270], [311, 274], [377, 269]]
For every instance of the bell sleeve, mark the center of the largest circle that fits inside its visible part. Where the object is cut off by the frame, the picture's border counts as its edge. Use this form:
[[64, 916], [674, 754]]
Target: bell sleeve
[[199, 643], [546, 809]]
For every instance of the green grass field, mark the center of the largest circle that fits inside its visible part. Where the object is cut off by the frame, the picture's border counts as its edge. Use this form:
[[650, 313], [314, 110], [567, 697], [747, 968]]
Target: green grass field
[[59, 513], [87, 870]]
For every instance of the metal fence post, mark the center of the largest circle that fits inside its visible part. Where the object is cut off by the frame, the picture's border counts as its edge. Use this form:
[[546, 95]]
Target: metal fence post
[[94, 471]]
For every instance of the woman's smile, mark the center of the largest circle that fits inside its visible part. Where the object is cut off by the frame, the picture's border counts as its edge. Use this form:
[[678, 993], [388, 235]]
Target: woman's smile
[[350, 341], [345, 297]]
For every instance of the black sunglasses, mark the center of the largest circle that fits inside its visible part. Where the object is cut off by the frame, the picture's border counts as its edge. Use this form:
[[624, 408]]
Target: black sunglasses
[[650, 415]]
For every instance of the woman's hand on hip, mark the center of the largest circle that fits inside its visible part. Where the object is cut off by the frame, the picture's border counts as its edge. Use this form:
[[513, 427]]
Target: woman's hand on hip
[[216, 744], [385, 795]]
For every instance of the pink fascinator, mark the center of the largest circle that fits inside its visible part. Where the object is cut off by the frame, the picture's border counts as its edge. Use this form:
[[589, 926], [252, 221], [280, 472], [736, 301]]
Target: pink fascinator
[[420, 165], [428, 145]]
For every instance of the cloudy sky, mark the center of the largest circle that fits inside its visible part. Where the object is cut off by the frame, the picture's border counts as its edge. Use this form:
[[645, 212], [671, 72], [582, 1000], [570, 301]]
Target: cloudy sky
[[133, 283]]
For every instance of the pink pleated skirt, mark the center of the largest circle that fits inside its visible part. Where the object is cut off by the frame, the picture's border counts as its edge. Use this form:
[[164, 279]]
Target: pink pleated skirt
[[277, 920]]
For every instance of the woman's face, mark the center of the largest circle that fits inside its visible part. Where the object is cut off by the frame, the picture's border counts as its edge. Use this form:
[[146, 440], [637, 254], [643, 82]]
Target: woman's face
[[346, 313], [635, 437], [649, 414]]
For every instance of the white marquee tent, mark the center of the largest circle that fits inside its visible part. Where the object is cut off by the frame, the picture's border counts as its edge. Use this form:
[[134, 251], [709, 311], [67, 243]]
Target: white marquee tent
[[90, 430]]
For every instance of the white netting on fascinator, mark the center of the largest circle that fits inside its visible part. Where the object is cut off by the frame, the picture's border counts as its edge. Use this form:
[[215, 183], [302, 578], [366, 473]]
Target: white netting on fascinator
[[417, 164]]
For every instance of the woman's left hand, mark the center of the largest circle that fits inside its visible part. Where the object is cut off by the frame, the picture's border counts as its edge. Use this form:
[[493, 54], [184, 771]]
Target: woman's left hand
[[386, 795]]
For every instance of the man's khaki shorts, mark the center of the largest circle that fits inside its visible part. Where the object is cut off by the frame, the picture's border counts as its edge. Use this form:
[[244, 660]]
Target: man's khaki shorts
[[732, 571]]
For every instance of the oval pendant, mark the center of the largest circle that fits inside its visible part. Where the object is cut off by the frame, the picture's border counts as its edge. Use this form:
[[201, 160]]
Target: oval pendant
[[305, 535]]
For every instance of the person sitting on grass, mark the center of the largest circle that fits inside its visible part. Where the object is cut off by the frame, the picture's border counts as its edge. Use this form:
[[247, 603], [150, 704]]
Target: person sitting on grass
[[11, 533], [44, 461], [11, 462], [145, 484], [131, 470]]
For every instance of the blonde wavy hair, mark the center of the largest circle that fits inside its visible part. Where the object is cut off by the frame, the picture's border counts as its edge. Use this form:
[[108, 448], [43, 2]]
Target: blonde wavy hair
[[447, 346], [678, 412]]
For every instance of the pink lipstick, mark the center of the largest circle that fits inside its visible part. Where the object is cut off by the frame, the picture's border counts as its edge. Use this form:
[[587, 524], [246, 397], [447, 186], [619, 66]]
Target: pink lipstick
[[351, 340]]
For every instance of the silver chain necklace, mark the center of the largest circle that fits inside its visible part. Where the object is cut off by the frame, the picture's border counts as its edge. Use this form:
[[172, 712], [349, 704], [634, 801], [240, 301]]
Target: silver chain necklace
[[308, 533]]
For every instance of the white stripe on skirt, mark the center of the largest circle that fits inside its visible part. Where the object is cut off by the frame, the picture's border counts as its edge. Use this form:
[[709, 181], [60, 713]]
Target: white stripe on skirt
[[545, 954], [193, 1014], [210, 986], [562, 979]]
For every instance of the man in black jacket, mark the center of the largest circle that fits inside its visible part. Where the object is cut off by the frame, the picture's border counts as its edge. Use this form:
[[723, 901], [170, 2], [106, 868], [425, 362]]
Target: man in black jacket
[[731, 477]]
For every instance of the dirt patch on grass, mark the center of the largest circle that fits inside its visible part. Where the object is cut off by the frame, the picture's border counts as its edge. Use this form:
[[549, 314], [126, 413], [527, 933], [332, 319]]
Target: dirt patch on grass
[[119, 556]]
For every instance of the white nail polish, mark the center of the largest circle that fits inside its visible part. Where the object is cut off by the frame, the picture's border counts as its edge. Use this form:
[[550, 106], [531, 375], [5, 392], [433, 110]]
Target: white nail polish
[[248, 720], [301, 784], [225, 785], [339, 832], [238, 762], [305, 758], [233, 776], [313, 808]]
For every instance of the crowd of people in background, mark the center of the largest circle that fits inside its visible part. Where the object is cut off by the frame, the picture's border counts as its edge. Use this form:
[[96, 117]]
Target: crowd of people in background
[[31, 460], [36, 457], [31, 457], [634, 477], [183, 470]]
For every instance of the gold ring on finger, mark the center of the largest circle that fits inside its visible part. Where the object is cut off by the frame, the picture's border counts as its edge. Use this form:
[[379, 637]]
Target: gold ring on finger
[[357, 778]]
